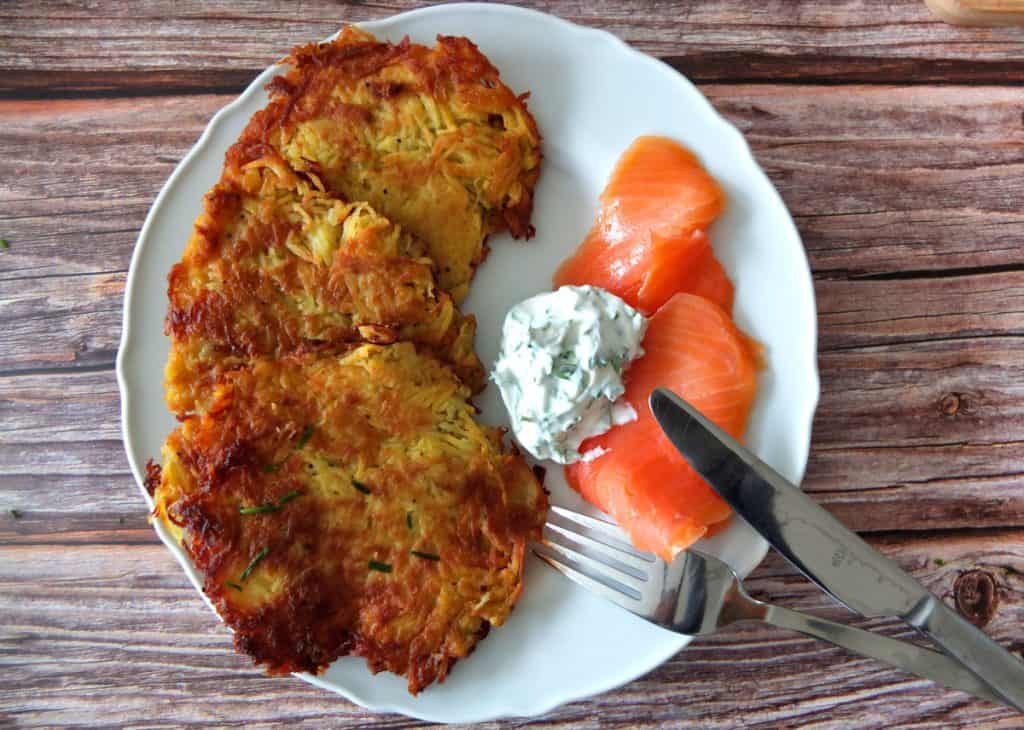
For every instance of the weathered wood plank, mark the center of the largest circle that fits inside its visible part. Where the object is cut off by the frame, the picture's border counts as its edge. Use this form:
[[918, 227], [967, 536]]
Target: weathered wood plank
[[75, 320], [189, 46], [928, 393], [881, 180], [165, 656], [72, 509], [58, 409], [879, 466], [868, 113], [925, 487], [920, 424], [79, 454], [81, 176], [925, 421], [72, 320], [931, 431], [950, 502], [862, 313], [59, 438], [921, 393], [869, 171], [96, 230]]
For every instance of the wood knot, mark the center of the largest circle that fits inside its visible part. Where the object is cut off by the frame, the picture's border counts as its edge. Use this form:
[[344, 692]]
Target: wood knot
[[977, 596], [951, 404]]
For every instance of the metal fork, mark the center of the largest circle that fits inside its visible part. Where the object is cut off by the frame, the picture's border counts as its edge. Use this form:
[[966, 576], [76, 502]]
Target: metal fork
[[698, 594]]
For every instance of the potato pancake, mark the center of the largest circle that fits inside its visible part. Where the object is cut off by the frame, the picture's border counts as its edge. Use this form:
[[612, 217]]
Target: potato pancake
[[328, 478], [276, 265], [350, 505], [430, 137]]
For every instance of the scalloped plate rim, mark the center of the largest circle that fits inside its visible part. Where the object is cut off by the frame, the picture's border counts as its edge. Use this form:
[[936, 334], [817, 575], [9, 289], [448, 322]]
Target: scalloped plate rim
[[129, 338]]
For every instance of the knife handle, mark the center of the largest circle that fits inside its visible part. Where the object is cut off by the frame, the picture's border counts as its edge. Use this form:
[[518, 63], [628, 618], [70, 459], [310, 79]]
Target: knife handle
[[975, 650], [926, 663]]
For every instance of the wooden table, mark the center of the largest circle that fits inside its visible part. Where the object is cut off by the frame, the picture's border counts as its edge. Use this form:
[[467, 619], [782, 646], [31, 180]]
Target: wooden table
[[898, 145]]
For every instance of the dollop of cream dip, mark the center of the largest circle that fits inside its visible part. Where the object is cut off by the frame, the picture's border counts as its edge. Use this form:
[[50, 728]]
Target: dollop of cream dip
[[560, 368]]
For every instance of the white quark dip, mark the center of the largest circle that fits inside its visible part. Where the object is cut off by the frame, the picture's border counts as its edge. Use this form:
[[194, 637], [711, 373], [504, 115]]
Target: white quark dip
[[560, 368]]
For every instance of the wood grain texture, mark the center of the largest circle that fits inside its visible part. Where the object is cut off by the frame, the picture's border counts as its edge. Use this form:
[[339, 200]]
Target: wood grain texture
[[885, 179], [154, 647], [878, 443], [84, 314], [176, 47], [896, 141], [882, 180]]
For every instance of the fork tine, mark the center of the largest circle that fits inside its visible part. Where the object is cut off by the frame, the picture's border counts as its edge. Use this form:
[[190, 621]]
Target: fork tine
[[594, 548], [606, 533], [596, 569], [610, 590]]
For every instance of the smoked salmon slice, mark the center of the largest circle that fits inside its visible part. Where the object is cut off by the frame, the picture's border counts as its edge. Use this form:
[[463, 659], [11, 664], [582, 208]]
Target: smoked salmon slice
[[693, 348], [650, 232], [708, 279]]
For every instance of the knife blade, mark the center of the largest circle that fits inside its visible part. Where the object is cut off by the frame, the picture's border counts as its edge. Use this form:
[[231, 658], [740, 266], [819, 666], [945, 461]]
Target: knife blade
[[824, 549]]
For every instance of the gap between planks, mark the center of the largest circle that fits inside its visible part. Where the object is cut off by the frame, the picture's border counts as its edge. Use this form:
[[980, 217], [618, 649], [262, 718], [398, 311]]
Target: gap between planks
[[718, 40], [19, 85]]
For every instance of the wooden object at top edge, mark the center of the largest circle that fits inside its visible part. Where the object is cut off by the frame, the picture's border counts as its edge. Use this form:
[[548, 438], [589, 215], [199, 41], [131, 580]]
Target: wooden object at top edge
[[979, 12]]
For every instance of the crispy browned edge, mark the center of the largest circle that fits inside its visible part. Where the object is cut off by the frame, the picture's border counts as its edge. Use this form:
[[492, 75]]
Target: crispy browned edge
[[211, 313], [456, 58], [310, 627]]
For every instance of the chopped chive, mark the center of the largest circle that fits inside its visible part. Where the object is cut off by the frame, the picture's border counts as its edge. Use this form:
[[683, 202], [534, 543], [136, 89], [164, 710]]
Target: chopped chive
[[258, 510], [360, 486], [307, 434], [232, 584], [270, 468], [270, 506], [379, 567], [565, 365], [425, 556], [940, 562], [4, 243], [253, 563], [408, 520], [288, 497]]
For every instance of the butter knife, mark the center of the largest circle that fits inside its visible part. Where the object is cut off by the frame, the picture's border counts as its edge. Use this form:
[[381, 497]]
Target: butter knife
[[826, 551]]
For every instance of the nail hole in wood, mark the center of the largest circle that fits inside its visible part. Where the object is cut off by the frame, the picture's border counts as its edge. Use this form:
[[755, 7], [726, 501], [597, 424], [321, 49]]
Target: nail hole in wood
[[977, 596], [950, 405]]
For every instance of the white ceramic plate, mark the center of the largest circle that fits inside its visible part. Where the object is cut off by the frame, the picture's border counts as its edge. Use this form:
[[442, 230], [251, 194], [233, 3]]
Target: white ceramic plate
[[591, 95]]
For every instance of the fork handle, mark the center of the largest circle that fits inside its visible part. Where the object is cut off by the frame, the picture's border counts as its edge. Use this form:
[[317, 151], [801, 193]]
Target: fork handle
[[908, 657]]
